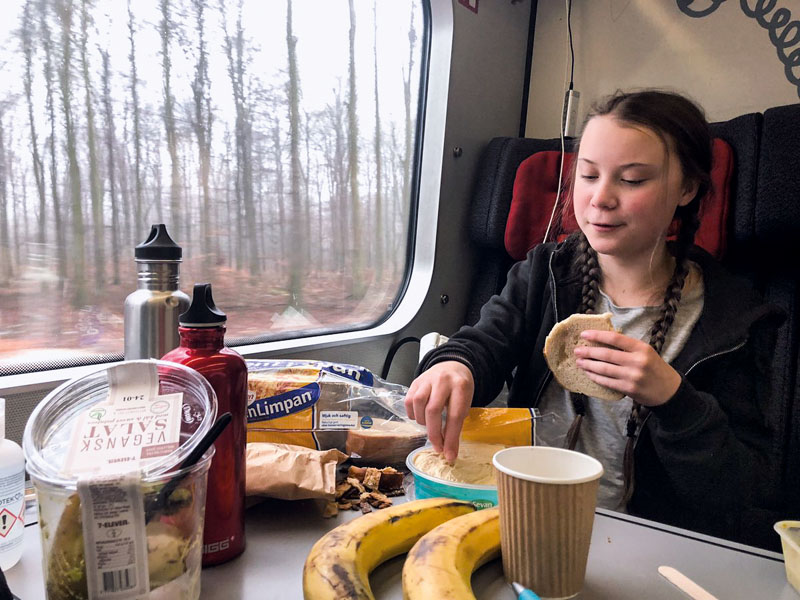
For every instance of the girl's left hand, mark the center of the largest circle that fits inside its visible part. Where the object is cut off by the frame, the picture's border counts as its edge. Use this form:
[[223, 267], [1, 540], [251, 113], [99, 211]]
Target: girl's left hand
[[629, 366]]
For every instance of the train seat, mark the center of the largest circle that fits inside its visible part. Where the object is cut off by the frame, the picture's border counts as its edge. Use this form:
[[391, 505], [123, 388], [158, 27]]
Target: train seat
[[752, 229]]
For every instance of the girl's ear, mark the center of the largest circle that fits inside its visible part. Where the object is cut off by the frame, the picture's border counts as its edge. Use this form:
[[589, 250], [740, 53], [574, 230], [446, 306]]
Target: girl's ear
[[689, 191]]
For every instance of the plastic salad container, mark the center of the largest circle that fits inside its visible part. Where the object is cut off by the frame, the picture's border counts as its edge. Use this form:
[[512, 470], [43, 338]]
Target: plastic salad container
[[174, 521], [427, 486]]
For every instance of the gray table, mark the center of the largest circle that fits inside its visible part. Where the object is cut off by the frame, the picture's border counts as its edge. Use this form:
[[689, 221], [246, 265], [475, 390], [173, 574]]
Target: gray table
[[623, 561]]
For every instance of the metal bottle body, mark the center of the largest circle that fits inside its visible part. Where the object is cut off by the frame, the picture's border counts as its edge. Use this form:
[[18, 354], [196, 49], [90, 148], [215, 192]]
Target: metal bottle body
[[202, 349], [151, 312]]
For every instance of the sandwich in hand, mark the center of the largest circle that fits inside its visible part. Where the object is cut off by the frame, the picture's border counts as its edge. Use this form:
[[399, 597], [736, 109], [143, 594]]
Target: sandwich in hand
[[559, 352]]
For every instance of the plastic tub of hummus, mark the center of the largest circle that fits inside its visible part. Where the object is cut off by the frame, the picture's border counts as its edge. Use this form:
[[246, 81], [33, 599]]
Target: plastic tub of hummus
[[471, 477], [117, 514]]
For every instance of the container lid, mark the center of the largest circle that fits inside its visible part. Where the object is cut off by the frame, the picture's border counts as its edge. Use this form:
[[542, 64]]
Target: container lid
[[48, 433], [202, 312], [158, 246]]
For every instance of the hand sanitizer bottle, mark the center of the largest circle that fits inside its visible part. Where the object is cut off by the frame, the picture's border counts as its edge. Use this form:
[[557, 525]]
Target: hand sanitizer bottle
[[12, 496]]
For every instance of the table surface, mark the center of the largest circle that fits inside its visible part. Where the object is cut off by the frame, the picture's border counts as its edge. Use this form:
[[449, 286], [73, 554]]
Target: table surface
[[623, 560]]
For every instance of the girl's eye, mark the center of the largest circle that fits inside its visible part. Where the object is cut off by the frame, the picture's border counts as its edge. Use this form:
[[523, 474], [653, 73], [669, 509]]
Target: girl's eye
[[589, 177], [634, 181]]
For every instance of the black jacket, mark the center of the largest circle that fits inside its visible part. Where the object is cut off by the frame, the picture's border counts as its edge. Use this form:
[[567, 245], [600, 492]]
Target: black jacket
[[704, 459]]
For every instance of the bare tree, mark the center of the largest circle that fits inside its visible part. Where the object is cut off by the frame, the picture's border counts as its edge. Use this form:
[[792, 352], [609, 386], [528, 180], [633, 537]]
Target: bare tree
[[95, 186], [165, 32], [139, 224], [379, 230], [296, 254], [6, 265], [357, 257], [277, 158], [235, 53], [27, 31], [202, 124], [111, 168], [64, 11], [49, 76], [337, 168]]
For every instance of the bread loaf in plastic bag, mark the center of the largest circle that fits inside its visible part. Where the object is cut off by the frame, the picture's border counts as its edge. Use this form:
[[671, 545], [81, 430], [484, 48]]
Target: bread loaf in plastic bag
[[324, 405]]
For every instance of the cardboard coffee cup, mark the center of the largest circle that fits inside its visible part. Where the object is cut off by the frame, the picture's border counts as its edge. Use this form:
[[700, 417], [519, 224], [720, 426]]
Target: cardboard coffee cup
[[547, 498]]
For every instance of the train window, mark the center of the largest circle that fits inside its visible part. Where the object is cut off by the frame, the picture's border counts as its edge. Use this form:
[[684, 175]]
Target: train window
[[276, 140]]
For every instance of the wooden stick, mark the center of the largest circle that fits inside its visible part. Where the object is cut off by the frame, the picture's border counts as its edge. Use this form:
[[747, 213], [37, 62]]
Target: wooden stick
[[683, 583]]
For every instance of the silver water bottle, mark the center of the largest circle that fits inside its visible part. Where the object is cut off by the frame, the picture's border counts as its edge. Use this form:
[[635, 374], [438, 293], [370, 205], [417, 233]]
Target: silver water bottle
[[151, 312]]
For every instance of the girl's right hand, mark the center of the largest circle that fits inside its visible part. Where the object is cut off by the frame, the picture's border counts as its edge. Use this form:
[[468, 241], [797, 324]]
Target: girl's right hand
[[446, 385]]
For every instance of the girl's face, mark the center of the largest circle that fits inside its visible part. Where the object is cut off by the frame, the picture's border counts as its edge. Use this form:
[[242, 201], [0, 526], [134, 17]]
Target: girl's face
[[627, 187]]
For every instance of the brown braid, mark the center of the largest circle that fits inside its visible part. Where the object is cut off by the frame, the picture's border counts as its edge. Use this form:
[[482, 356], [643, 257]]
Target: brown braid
[[590, 277], [689, 225], [658, 333]]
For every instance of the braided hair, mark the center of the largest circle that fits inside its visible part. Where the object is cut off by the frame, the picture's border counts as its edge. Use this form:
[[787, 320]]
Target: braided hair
[[682, 127]]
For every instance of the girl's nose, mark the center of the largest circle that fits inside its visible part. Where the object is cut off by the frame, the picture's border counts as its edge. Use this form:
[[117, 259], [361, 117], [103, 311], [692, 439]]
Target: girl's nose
[[604, 196]]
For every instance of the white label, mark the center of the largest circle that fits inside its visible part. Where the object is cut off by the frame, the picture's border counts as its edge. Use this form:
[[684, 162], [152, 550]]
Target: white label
[[12, 510], [338, 419], [126, 435], [114, 538]]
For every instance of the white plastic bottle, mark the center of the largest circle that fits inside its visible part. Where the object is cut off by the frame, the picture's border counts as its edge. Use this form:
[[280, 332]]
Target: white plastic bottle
[[12, 496]]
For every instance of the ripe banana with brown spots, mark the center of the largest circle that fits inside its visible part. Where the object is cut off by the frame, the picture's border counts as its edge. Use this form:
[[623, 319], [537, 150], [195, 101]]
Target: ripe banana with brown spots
[[441, 563], [339, 564]]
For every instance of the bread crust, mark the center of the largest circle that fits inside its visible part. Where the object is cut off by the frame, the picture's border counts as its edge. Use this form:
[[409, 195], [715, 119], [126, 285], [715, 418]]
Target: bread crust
[[559, 353]]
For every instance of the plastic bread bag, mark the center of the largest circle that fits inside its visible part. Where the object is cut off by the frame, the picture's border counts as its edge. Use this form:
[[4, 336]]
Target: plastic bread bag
[[324, 405]]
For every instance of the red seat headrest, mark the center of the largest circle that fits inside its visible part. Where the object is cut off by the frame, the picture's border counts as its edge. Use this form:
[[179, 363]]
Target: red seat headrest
[[534, 195]]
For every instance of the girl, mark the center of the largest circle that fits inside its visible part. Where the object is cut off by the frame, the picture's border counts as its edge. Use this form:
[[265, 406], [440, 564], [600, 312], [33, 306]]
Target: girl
[[688, 445]]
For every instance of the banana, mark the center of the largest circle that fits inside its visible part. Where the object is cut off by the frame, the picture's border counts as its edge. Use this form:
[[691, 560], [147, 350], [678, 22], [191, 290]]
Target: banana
[[441, 563], [339, 564]]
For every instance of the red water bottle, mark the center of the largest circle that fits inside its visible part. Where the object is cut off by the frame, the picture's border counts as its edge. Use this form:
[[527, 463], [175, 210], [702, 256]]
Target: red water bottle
[[202, 332]]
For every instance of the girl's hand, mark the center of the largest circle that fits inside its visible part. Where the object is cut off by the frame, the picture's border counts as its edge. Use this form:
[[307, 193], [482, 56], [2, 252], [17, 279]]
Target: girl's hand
[[629, 366], [447, 385]]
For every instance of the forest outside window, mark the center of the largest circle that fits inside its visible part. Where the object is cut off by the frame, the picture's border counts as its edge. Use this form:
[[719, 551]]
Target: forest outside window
[[276, 140]]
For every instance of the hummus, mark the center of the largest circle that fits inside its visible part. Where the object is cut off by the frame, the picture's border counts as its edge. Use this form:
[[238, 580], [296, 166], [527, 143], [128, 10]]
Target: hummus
[[473, 465]]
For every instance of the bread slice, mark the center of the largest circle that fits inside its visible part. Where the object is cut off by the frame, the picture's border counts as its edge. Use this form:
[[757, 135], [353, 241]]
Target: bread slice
[[386, 442], [558, 352]]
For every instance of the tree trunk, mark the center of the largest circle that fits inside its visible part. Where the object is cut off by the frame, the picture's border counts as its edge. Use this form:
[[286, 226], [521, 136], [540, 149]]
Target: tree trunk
[[26, 33], [112, 179], [202, 122], [235, 53], [61, 242], [6, 269], [279, 191], [296, 252], [77, 252], [139, 224], [165, 32], [379, 230], [95, 186], [357, 262]]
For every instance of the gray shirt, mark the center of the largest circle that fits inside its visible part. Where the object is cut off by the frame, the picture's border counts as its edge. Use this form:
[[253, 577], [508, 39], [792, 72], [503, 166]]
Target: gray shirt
[[602, 432]]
